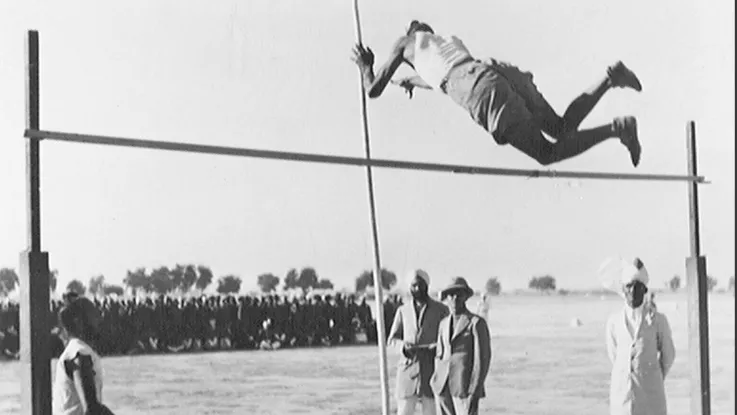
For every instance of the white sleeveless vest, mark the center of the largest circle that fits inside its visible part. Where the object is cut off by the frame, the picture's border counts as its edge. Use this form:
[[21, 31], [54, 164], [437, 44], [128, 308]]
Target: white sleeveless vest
[[436, 55]]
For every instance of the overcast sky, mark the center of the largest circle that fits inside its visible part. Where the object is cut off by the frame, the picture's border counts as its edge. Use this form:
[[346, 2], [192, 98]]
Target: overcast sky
[[276, 75]]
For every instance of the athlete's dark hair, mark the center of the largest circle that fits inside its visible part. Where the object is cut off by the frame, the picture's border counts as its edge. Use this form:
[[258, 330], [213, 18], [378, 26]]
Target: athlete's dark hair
[[418, 26], [75, 308]]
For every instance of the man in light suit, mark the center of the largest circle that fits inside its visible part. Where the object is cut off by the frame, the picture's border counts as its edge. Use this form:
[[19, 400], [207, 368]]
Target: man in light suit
[[463, 354], [640, 347], [414, 331]]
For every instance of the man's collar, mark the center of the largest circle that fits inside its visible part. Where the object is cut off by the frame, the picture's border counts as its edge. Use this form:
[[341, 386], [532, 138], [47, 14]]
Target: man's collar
[[634, 311]]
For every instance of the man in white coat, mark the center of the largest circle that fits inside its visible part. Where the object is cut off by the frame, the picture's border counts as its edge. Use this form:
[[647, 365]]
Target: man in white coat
[[640, 348], [415, 332]]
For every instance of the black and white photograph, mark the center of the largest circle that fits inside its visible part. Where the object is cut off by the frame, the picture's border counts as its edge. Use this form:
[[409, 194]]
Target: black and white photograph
[[354, 207]]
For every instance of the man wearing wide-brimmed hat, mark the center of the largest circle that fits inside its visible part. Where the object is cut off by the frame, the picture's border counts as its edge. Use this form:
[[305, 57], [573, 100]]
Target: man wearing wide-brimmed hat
[[640, 347], [463, 354], [415, 331]]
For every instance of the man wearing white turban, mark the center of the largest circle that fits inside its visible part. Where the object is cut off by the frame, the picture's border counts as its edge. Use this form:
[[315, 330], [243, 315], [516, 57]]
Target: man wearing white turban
[[415, 331], [640, 348]]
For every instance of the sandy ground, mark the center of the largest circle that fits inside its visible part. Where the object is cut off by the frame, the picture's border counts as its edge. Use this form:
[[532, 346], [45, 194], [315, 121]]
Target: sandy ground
[[542, 365]]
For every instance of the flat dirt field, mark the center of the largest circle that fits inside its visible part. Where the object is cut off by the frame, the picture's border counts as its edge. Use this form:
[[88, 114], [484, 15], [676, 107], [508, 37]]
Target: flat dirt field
[[542, 365]]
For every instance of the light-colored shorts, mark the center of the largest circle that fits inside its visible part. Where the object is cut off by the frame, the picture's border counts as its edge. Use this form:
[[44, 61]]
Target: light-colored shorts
[[497, 96]]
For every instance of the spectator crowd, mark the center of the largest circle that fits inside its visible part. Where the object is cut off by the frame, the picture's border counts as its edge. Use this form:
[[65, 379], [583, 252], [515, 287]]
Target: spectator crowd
[[167, 324]]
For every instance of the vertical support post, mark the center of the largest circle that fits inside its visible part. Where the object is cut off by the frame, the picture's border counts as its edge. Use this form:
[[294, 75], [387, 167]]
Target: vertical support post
[[35, 339], [380, 330], [696, 284]]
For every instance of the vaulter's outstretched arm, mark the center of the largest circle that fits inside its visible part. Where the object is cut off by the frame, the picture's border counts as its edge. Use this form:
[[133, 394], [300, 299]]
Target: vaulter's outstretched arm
[[364, 58], [414, 81], [410, 83]]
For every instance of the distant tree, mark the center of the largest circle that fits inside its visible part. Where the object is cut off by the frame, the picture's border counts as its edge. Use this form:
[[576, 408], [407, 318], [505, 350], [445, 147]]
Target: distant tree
[[137, 280], [8, 280], [113, 289], [291, 279], [731, 283], [176, 275], [53, 279], [324, 284], [711, 282], [388, 279], [229, 284], [204, 278], [674, 283], [307, 278], [493, 286], [545, 283], [267, 282], [77, 287], [161, 280], [189, 278], [96, 285], [366, 279]]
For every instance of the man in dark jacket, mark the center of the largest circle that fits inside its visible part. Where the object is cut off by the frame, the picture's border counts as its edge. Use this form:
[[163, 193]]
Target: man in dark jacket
[[463, 354]]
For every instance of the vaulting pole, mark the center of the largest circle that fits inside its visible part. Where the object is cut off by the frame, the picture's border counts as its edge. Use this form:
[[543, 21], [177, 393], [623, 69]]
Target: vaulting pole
[[380, 331], [696, 286], [35, 307]]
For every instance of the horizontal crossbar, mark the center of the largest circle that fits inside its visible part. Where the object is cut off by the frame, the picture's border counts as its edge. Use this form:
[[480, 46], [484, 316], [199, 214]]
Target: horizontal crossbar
[[352, 161]]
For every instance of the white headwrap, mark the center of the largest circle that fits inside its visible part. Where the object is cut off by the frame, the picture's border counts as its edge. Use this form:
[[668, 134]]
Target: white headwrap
[[635, 271], [418, 273]]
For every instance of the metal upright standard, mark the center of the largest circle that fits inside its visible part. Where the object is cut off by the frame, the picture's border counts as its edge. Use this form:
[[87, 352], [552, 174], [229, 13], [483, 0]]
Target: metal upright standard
[[698, 305], [35, 307], [35, 304]]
